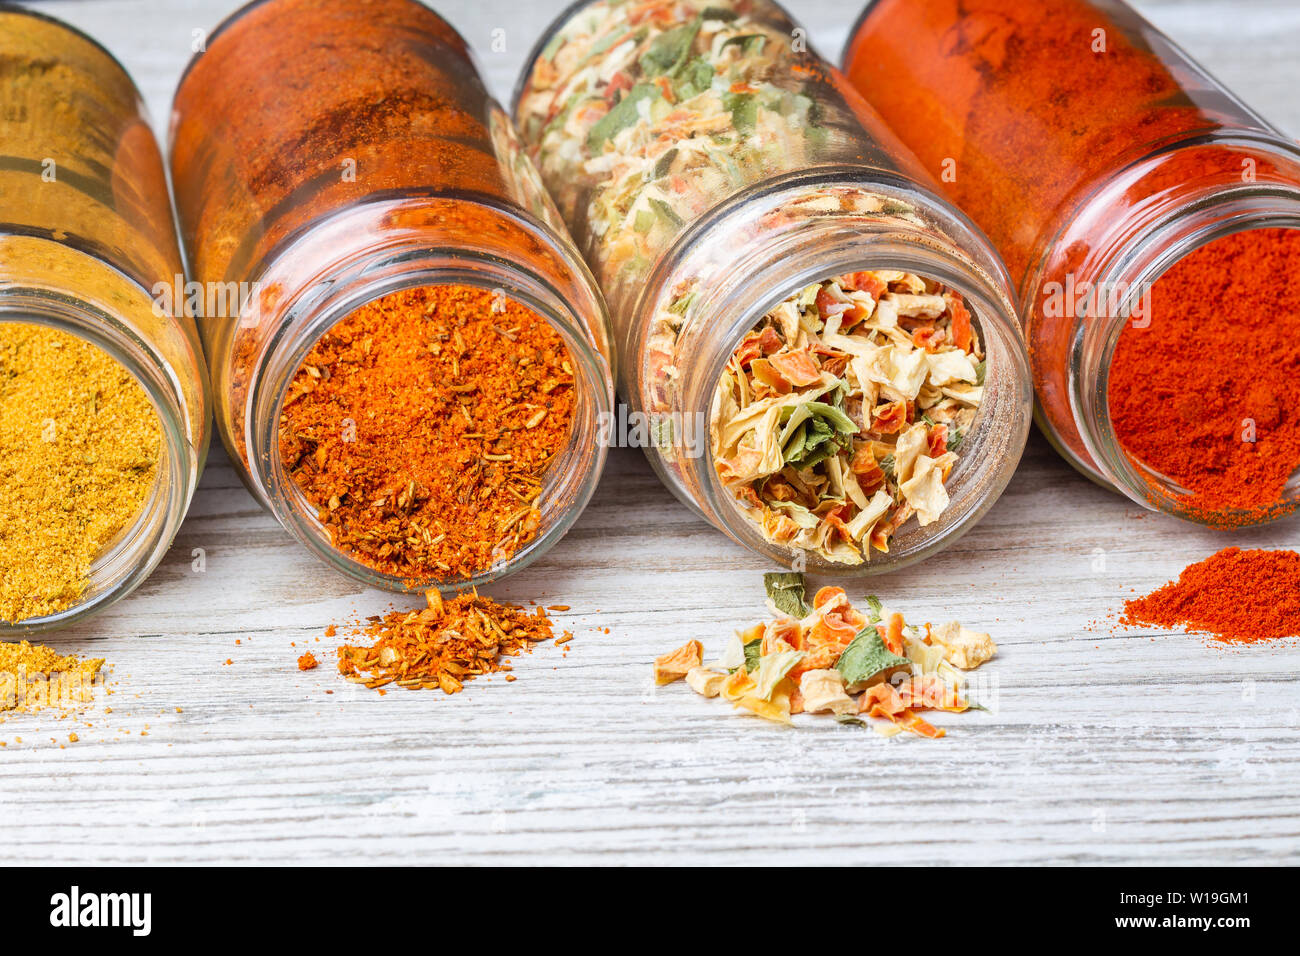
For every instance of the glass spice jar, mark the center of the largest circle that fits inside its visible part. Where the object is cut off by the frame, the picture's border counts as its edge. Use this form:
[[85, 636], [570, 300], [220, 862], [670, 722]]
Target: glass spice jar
[[326, 156], [716, 173], [88, 247], [1097, 155]]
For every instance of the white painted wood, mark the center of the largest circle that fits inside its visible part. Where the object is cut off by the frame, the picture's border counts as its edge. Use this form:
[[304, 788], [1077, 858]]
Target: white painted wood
[[1105, 748]]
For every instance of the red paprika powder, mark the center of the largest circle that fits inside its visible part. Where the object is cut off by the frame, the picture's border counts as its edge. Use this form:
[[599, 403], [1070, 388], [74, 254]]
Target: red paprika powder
[[1238, 596], [1203, 393], [1097, 156]]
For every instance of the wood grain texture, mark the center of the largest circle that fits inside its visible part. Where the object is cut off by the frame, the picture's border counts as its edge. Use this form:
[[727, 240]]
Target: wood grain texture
[[1103, 747]]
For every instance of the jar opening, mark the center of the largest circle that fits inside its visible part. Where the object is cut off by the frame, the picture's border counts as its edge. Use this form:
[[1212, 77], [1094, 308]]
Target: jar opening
[[1195, 382], [436, 428], [840, 415], [760, 257], [995, 435], [100, 468]]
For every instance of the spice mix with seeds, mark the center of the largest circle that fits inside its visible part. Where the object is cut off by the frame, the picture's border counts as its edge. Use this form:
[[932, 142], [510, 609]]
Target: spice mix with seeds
[[422, 425], [443, 645]]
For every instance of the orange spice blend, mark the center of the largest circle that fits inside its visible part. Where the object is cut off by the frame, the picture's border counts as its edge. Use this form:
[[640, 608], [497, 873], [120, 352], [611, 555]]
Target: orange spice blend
[[443, 645], [314, 143], [421, 426]]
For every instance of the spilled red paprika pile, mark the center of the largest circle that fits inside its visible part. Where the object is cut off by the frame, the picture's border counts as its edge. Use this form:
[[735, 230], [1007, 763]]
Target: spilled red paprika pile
[[1239, 596], [1203, 393]]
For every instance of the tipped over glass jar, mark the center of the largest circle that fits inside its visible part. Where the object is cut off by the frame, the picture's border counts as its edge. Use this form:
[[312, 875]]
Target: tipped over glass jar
[[1150, 219], [415, 372], [819, 354], [103, 409]]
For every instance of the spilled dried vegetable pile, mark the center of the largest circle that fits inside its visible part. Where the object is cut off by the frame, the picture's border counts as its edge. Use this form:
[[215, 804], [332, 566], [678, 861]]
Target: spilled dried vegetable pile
[[830, 658]]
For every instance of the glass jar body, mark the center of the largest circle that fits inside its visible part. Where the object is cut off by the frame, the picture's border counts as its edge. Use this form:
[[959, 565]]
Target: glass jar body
[[87, 245], [710, 165], [364, 156], [1095, 154]]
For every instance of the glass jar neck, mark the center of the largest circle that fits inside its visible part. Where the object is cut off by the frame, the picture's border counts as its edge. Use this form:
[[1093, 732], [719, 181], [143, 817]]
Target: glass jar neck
[[364, 254], [765, 246], [1114, 288], [112, 321]]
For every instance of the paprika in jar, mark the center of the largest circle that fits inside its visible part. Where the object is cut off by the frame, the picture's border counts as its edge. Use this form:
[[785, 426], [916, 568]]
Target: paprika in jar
[[818, 353], [1150, 220], [416, 374], [103, 407]]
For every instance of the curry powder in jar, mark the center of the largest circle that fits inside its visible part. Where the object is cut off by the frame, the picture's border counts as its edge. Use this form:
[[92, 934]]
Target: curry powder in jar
[[105, 417]]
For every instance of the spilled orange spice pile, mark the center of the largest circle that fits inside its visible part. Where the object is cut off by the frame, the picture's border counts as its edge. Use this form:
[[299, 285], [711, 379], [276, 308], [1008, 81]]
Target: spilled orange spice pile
[[830, 658], [445, 644]]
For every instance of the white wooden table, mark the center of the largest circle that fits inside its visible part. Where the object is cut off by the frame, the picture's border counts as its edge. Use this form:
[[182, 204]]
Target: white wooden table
[[1104, 747]]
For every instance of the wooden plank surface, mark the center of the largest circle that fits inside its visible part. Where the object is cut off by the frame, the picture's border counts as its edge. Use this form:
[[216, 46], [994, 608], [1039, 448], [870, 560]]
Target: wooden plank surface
[[1102, 748]]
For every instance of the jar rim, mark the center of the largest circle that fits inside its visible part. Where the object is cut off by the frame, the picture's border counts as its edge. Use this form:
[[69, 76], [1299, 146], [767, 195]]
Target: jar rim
[[138, 548], [1209, 217], [892, 246], [336, 293]]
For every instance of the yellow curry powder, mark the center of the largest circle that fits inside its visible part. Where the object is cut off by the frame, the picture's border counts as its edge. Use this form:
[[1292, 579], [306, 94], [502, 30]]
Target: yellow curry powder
[[34, 677], [79, 447]]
